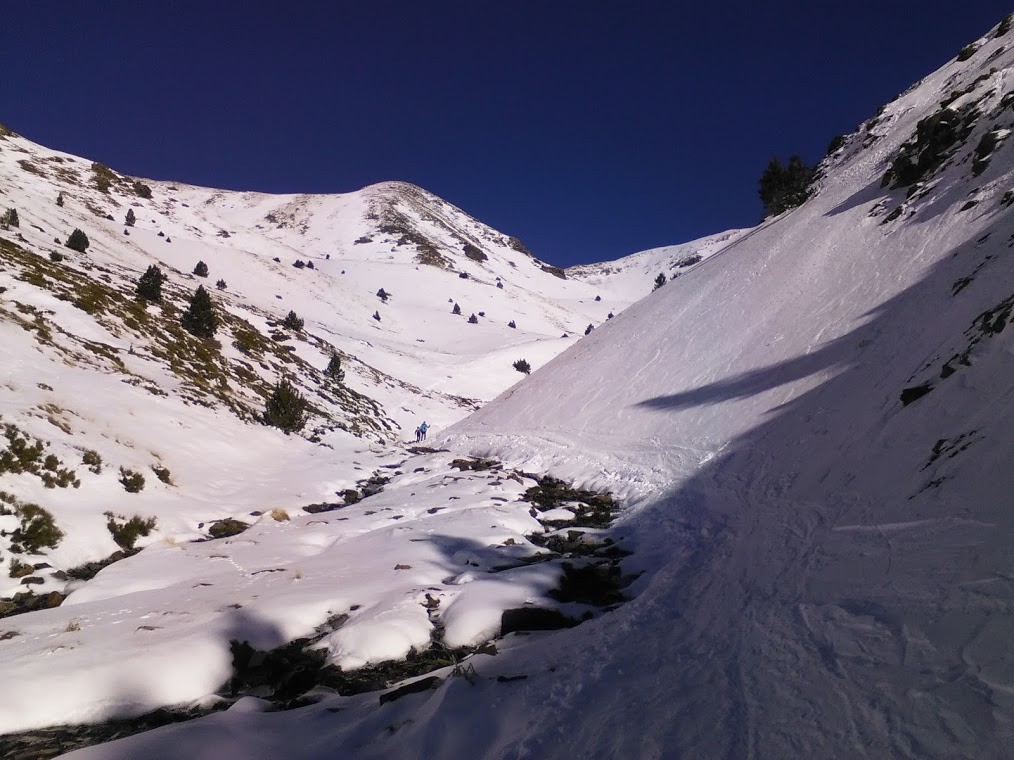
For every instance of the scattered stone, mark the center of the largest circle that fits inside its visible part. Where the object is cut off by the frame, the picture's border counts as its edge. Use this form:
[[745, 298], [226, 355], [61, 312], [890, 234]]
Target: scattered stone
[[28, 601], [908, 395], [315, 509], [89, 570], [534, 619], [46, 743], [599, 584], [423, 684], [509, 679], [477, 465], [281, 674]]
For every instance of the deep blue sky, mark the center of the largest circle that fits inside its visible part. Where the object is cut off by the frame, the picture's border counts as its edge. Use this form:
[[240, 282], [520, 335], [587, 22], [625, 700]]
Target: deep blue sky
[[589, 129]]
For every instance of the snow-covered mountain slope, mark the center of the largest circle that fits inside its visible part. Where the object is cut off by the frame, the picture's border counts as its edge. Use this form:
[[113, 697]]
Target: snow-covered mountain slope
[[425, 253], [117, 420], [88, 368], [626, 277], [813, 433]]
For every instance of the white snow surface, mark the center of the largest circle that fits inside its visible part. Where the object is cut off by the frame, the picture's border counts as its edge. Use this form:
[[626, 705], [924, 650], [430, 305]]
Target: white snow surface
[[83, 379], [826, 569]]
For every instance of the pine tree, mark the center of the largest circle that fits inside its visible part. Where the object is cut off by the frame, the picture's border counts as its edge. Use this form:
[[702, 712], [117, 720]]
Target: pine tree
[[383, 295], [522, 366], [130, 218], [10, 219], [292, 321], [512, 325], [149, 286], [456, 310], [78, 241], [59, 199], [201, 270], [200, 318], [784, 187], [473, 320], [588, 329], [286, 408], [660, 280], [221, 285], [376, 315], [334, 368]]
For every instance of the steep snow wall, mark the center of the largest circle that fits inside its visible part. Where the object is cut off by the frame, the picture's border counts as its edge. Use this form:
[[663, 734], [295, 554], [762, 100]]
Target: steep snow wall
[[840, 574]]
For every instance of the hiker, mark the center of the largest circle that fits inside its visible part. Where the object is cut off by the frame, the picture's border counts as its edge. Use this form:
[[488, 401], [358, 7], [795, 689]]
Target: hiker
[[423, 428], [418, 434]]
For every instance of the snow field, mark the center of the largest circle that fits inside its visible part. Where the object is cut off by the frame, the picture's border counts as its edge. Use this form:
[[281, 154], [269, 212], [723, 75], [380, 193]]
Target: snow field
[[169, 612], [827, 569]]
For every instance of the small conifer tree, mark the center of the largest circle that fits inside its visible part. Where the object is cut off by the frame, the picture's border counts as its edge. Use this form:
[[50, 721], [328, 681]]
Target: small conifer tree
[[660, 280], [383, 295], [59, 199], [523, 366], [784, 187], [221, 285], [286, 408], [473, 320], [78, 241], [201, 270], [334, 368], [376, 315], [149, 286], [292, 321], [10, 219], [456, 309], [588, 329], [512, 325], [200, 319], [130, 218]]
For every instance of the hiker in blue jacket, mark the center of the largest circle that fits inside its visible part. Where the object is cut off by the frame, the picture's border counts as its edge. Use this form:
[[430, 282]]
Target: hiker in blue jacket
[[423, 428]]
